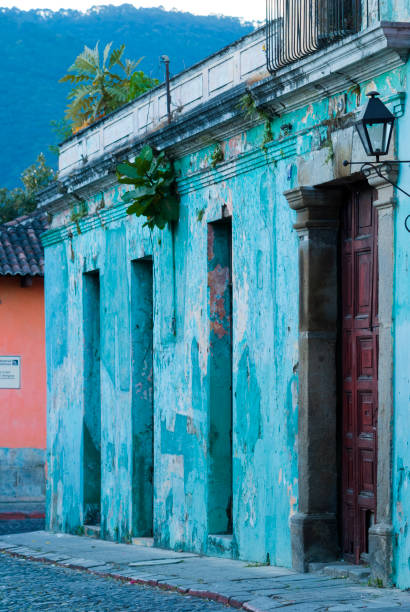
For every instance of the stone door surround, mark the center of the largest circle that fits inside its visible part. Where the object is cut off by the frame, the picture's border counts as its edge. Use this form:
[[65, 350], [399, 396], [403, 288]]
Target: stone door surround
[[314, 529]]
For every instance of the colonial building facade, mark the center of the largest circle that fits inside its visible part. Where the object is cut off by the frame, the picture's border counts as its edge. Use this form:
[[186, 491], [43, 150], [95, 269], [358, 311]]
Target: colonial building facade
[[238, 385]]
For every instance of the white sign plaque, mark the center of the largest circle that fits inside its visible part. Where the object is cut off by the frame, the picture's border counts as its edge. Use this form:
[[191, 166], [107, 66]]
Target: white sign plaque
[[10, 372]]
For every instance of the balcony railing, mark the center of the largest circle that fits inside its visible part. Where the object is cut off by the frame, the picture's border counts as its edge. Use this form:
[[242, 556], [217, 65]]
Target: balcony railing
[[296, 28]]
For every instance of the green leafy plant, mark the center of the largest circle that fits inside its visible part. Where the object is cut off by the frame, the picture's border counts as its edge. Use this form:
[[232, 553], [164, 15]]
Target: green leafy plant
[[62, 129], [139, 84], [217, 156], [247, 104], [154, 194], [328, 144], [377, 582], [78, 212], [101, 85], [38, 175], [267, 134], [79, 530], [14, 203], [21, 201]]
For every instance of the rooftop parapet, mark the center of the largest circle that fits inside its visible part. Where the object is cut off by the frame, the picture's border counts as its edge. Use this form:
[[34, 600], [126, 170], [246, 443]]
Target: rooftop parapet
[[243, 61]]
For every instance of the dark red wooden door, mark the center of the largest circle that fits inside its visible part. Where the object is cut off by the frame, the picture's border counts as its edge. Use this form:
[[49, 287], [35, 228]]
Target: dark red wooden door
[[359, 370]]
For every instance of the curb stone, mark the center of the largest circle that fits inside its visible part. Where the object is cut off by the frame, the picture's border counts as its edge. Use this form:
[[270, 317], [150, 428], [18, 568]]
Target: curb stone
[[67, 564]]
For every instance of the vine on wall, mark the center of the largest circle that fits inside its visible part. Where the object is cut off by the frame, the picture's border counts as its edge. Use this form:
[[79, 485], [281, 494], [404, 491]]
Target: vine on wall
[[248, 106]]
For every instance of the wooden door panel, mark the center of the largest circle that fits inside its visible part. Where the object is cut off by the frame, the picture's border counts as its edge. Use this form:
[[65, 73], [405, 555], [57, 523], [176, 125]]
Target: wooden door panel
[[347, 355], [364, 215], [366, 358], [350, 478], [347, 284], [349, 531], [362, 285], [348, 425], [366, 414], [367, 474], [359, 340]]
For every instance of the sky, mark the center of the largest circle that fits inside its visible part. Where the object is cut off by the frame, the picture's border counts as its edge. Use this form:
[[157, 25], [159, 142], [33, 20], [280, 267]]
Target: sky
[[250, 11]]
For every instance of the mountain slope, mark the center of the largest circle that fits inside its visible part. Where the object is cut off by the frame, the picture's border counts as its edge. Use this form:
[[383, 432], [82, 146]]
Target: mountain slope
[[38, 46]]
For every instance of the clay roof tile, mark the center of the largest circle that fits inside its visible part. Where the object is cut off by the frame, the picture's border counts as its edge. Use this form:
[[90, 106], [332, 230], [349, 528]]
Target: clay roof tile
[[21, 251]]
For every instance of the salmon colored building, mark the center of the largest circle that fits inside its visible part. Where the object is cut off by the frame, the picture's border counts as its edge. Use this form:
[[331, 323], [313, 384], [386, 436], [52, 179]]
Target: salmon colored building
[[22, 369]]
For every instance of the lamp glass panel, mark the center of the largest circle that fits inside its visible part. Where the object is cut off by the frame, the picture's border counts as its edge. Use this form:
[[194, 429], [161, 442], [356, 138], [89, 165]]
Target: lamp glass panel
[[379, 137], [363, 137]]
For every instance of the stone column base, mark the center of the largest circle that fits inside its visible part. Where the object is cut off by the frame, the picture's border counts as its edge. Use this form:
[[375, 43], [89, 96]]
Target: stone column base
[[381, 553], [314, 540]]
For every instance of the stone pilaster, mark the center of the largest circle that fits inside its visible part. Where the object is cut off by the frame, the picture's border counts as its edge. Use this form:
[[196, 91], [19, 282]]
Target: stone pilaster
[[314, 528], [381, 534]]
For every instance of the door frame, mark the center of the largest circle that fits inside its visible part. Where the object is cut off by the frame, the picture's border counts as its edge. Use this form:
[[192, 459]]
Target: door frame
[[314, 529]]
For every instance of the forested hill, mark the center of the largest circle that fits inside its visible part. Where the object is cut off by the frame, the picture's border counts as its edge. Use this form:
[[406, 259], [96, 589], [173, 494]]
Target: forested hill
[[38, 46]]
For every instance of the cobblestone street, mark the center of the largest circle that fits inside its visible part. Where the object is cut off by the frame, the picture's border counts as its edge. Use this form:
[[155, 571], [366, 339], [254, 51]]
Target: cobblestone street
[[27, 585]]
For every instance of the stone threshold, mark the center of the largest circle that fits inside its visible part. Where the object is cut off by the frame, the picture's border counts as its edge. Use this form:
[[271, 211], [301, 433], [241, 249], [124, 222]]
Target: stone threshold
[[220, 545], [92, 531], [143, 541], [342, 569]]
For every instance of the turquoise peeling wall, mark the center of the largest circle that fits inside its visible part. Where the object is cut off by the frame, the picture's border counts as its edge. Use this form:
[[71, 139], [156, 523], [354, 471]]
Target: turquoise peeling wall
[[264, 364], [249, 186], [110, 252], [264, 356], [401, 465], [394, 10]]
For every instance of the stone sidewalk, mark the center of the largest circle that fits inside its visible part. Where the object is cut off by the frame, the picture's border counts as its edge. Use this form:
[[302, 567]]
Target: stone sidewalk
[[234, 583]]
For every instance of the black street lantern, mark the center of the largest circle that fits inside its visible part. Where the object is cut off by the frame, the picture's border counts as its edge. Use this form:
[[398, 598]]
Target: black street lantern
[[375, 127]]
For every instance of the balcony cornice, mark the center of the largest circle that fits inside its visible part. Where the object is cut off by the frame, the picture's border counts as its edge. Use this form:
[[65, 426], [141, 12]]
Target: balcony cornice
[[352, 60]]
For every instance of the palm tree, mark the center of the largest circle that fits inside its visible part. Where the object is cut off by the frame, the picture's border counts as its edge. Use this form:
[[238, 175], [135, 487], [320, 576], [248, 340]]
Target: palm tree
[[100, 88]]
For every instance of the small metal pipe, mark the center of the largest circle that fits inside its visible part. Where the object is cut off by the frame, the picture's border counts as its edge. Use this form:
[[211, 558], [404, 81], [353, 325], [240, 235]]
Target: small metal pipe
[[165, 60]]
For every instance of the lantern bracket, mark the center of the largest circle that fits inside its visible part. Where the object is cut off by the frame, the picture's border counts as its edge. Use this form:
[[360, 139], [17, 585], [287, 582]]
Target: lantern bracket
[[379, 168]]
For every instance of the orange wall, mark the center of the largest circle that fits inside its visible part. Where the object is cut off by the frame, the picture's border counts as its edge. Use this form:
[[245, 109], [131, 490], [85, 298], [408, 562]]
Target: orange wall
[[22, 332]]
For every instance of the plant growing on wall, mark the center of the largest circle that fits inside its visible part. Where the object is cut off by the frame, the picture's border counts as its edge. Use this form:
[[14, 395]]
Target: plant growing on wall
[[154, 194], [247, 105], [217, 156], [101, 85]]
